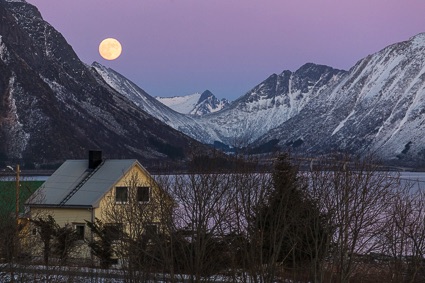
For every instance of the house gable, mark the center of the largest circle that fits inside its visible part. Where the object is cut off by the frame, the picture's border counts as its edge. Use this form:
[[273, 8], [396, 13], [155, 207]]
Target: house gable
[[134, 178]]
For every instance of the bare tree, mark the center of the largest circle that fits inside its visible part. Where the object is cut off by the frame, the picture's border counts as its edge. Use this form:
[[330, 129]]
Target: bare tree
[[137, 226], [354, 194], [404, 238], [200, 219]]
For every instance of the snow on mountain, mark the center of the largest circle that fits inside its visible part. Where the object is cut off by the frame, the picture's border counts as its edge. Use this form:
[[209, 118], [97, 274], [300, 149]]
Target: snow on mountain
[[379, 107], [197, 104], [265, 107], [152, 106], [270, 103], [182, 104], [208, 103], [55, 107]]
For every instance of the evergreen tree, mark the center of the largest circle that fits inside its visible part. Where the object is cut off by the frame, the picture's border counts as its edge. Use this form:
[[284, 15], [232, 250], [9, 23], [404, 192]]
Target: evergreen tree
[[101, 245], [46, 230], [59, 241], [287, 216], [66, 239]]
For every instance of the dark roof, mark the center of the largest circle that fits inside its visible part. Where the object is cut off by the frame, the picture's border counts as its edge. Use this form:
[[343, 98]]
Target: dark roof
[[73, 184]]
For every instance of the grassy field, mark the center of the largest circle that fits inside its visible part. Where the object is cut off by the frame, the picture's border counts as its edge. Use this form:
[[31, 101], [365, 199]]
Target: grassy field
[[8, 194]]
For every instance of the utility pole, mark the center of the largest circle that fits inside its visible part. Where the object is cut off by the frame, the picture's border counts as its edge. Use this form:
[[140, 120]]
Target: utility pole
[[15, 247], [17, 193]]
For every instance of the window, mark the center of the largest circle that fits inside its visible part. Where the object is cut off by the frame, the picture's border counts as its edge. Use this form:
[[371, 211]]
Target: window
[[121, 194], [113, 231], [143, 194], [79, 230]]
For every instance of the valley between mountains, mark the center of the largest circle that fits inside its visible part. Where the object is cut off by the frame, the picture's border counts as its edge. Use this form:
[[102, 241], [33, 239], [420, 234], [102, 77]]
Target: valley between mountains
[[56, 107]]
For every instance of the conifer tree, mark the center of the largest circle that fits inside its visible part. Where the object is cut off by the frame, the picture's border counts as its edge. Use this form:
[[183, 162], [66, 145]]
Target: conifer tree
[[101, 245], [286, 217]]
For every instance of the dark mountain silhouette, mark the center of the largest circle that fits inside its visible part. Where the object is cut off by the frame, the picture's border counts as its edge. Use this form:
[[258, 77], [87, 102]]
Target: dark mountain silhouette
[[54, 107]]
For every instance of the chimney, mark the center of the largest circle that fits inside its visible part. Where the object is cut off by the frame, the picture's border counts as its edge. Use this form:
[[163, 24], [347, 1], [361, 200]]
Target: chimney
[[95, 158]]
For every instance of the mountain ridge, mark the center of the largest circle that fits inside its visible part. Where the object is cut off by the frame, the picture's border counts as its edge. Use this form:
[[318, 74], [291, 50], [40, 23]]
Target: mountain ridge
[[54, 107], [378, 108]]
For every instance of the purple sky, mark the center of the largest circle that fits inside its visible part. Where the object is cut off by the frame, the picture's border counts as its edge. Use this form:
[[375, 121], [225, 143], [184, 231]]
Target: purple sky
[[178, 47]]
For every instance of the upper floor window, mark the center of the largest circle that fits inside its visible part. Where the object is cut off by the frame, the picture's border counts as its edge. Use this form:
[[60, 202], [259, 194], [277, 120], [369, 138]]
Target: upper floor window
[[121, 194], [143, 194]]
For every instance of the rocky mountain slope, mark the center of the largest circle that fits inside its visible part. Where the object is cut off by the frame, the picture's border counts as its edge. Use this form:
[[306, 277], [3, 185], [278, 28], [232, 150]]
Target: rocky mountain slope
[[54, 107], [377, 107], [208, 103], [269, 104], [181, 122]]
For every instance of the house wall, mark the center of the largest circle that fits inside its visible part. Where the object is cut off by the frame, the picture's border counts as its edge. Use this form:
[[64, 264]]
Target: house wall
[[64, 216], [134, 215], [135, 177]]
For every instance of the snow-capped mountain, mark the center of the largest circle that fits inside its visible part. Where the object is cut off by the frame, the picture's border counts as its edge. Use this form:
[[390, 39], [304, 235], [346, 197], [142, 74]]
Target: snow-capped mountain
[[208, 103], [54, 107], [197, 104], [377, 107], [147, 103], [270, 103], [182, 104]]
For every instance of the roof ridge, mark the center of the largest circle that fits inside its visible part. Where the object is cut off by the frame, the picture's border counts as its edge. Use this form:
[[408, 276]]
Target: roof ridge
[[77, 187]]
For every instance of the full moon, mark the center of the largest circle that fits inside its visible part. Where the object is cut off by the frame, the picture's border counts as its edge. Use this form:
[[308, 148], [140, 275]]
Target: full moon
[[110, 48]]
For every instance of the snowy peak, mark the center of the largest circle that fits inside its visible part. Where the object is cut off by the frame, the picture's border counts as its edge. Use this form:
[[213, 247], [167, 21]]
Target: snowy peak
[[205, 95], [310, 76], [271, 103], [182, 104], [181, 122], [418, 40], [283, 88], [197, 104], [208, 103], [54, 106], [378, 106]]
